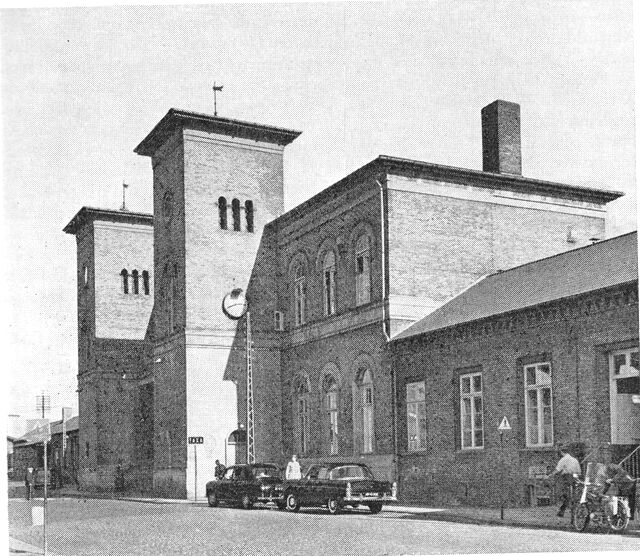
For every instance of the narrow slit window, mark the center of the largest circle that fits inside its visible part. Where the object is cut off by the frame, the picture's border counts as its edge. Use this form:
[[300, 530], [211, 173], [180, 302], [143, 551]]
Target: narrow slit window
[[222, 212], [125, 280], [136, 282], [235, 210], [145, 281], [248, 213], [85, 276]]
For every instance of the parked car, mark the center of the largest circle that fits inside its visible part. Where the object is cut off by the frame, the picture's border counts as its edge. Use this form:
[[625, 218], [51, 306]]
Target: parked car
[[247, 484], [336, 485]]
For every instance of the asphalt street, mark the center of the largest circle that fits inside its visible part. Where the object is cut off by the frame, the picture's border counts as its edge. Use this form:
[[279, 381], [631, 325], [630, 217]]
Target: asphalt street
[[79, 527]]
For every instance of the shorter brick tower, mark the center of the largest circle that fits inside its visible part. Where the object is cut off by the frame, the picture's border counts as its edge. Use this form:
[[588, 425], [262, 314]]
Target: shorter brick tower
[[115, 300]]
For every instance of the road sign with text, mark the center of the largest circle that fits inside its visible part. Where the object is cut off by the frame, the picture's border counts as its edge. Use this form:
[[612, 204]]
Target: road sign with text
[[196, 440]]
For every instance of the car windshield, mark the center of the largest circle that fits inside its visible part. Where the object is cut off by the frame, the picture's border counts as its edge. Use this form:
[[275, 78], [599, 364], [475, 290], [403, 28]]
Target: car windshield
[[266, 471], [350, 472]]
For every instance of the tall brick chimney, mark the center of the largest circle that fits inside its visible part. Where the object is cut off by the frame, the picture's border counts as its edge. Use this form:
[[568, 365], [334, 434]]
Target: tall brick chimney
[[501, 138]]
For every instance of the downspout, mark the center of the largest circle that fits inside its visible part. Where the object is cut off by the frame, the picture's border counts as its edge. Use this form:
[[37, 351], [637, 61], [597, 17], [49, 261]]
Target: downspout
[[394, 420]]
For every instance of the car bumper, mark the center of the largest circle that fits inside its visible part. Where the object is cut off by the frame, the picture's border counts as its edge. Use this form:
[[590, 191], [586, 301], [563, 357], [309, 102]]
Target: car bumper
[[363, 498], [274, 498]]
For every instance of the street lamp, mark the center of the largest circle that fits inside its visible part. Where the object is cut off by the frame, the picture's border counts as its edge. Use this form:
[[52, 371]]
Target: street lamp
[[235, 305]]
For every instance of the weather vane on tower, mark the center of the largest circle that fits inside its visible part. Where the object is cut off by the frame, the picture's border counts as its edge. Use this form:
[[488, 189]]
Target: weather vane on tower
[[216, 88]]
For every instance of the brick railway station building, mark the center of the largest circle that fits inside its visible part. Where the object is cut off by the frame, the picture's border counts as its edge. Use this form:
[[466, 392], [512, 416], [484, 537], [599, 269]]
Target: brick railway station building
[[329, 283]]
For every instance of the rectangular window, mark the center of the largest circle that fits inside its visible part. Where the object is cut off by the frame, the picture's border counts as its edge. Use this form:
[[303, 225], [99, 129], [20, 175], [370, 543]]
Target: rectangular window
[[416, 417], [329, 291], [332, 406], [277, 321], [538, 406], [471, 416], [363, 280], [303, 425], [624, 393]]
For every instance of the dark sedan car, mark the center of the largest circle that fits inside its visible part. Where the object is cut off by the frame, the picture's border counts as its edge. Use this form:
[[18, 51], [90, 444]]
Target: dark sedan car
[[247, 484], [336, 485]]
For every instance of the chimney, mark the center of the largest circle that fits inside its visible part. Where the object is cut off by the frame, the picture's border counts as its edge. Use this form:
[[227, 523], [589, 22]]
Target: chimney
[[501, 138]]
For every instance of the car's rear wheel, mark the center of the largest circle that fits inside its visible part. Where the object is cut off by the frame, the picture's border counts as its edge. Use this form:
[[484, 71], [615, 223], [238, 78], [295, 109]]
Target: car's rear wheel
[[212, 499], [281, 505], [246, 502], [292, 503], [333, 505], [375, 507]]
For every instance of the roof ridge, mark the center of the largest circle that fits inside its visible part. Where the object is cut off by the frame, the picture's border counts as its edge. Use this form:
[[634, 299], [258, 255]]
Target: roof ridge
[[600, 242]]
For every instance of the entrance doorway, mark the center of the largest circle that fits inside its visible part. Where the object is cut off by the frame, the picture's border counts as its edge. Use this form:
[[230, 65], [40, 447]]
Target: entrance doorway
[[624, 376]]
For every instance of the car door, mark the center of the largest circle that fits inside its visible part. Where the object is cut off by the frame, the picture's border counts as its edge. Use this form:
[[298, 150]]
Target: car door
[[223, 488]]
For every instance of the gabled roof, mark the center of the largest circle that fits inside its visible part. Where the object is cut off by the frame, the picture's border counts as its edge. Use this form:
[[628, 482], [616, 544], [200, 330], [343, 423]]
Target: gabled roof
[[602, 265], [35, 436]]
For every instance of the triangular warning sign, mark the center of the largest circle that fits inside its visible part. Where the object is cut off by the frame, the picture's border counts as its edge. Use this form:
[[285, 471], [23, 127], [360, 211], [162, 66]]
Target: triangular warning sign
[[504, 426]]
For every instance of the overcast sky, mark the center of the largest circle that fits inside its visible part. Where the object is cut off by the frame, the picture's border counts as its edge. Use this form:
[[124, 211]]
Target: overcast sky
[[82, 87]]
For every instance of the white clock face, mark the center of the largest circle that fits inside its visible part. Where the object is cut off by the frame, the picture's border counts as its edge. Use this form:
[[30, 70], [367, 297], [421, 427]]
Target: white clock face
[[234, 304]]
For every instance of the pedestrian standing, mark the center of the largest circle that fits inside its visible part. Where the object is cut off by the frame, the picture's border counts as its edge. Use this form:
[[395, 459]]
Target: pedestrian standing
[[219, 470], [28, 482], [567, 467], [293, 472]]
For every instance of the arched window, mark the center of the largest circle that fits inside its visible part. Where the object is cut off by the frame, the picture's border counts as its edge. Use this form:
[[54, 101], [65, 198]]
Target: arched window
[[366, 401], [331, 408], [248, 213], [235, 211], [222, 213], [329, 283], [363, 270], [299, 294], [125, 280], [145, 281], [301, 418], [136, 282]]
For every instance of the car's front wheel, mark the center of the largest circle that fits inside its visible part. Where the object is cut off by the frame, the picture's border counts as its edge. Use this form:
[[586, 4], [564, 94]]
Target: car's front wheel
[[333, 505], [212, 499], [375, 507], [292, 503]]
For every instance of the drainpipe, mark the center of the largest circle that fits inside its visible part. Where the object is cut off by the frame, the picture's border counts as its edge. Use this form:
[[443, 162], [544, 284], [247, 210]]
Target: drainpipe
[[383, 228]]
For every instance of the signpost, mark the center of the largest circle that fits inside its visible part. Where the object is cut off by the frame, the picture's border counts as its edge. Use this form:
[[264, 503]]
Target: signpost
[[504, 426], [195, 440]]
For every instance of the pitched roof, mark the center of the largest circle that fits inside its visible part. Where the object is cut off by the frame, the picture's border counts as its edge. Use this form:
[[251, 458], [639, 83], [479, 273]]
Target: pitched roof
[[604, 264], [35, 436]]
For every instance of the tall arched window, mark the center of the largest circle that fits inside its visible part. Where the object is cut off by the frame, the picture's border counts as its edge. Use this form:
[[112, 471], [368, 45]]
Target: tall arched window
[[331, 408], [299, 294], [136, 282], [125, 280], [248, 213], [366, 401], [145, 281], [85, 276], [222, 212], [301, 417], [235, 211], [329, 283], [363, 270]]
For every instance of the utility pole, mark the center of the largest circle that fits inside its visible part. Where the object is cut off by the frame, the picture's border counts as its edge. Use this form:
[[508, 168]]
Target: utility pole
[[43, 404]]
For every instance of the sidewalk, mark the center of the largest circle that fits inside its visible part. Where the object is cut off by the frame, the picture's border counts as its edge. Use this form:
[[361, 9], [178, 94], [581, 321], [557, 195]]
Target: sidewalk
[[543, 517]]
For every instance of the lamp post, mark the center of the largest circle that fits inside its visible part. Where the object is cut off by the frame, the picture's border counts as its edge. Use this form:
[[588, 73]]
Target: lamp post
[[235, 306]]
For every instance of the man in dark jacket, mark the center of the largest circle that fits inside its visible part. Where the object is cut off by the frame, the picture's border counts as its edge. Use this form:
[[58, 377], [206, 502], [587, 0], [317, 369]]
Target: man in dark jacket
[[220, 469], [28, 482]]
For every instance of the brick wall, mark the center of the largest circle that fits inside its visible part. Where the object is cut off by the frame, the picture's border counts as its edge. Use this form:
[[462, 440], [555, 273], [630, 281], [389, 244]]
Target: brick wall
[[574, 336]]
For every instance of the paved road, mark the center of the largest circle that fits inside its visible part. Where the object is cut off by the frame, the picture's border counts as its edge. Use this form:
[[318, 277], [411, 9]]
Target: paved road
[[79, 527]]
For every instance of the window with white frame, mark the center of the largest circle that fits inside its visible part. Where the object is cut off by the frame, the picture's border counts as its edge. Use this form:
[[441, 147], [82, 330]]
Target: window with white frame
[[624, 393], [331, 403], [366, 401], [329, 283], [416, 417], [363, 270], [471, 417], [537, 404], [299, 294], [302, 417]]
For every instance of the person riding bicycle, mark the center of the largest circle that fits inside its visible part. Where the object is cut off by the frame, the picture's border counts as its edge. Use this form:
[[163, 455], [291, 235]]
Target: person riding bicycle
[[567, 467]]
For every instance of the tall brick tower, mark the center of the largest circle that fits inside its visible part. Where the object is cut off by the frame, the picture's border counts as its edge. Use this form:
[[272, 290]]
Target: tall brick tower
[[115, 301], [216, 183]]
